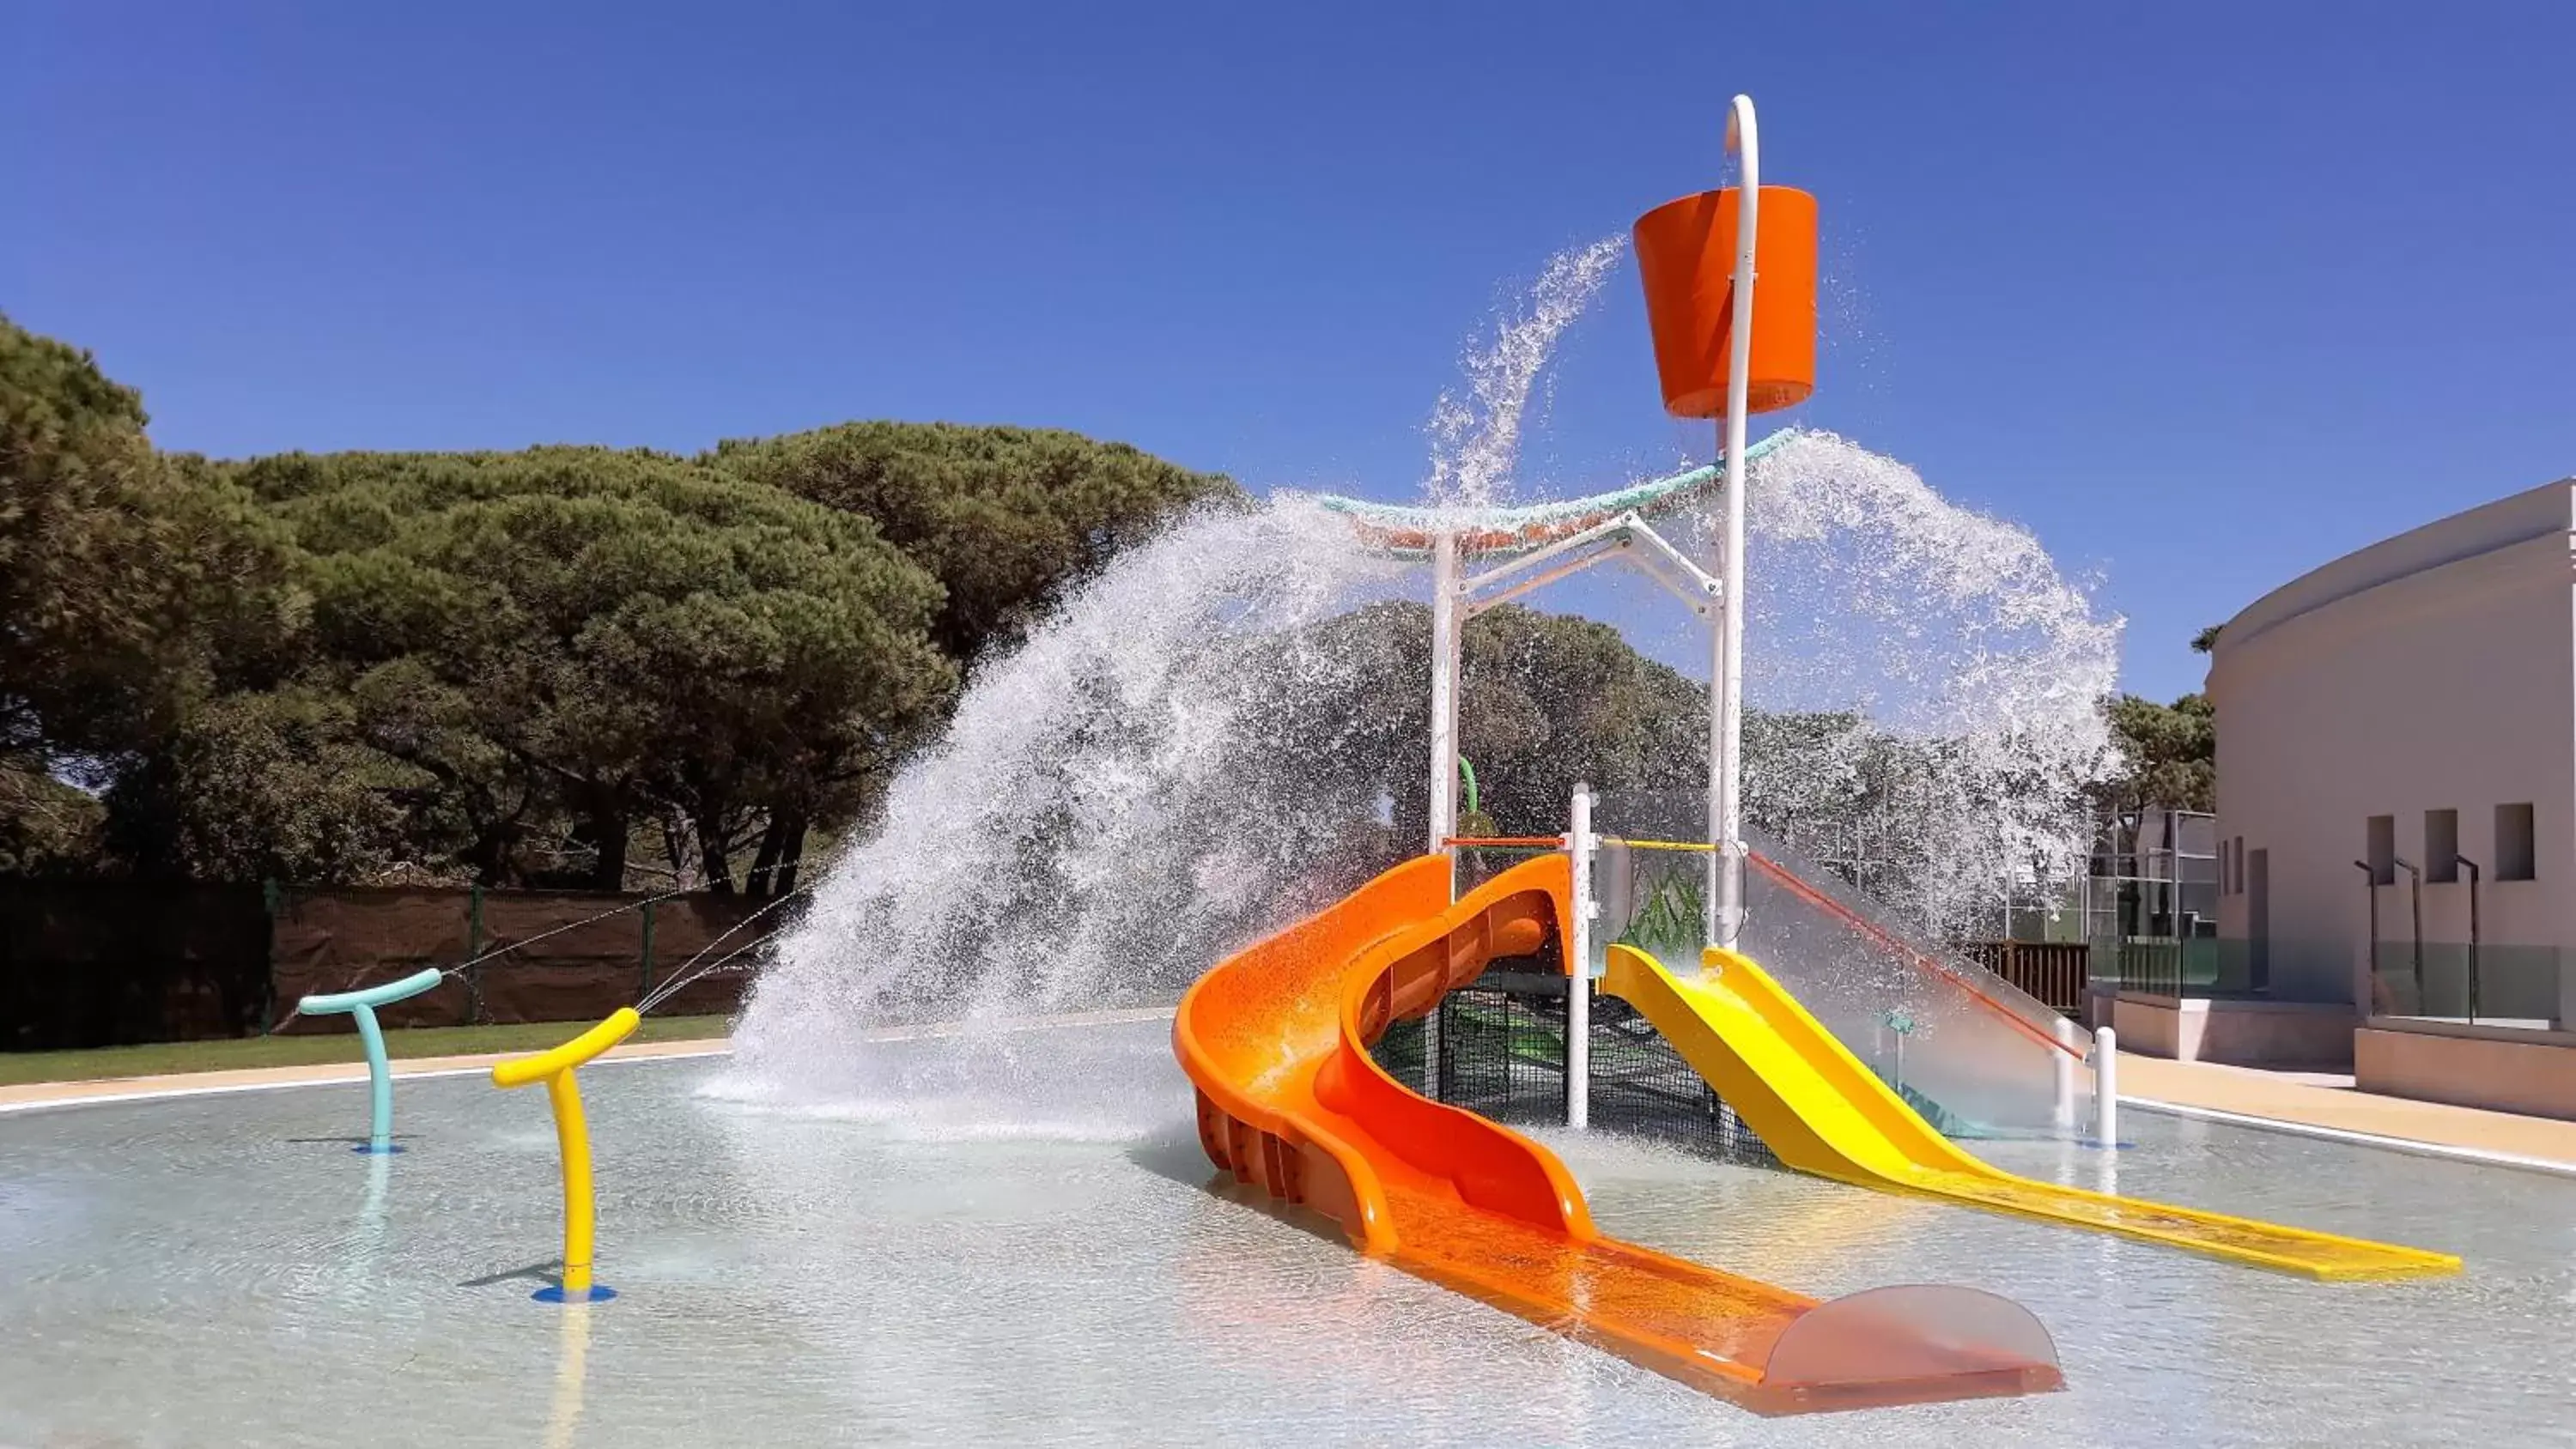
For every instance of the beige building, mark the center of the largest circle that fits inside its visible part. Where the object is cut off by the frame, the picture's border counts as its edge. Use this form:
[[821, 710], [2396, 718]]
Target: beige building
[[2397, 736]]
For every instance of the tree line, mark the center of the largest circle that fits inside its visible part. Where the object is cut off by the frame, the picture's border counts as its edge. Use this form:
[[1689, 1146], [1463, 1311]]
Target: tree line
[[562, 665], [2170, 751], [585, 666]]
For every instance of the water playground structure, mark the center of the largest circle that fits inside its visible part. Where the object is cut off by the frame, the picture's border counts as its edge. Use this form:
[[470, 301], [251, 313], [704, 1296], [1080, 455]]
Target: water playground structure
[[1277, 1038], [1767, 988]]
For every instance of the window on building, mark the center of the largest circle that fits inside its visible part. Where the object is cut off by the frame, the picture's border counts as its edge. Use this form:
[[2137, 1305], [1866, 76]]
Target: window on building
[[2513, 854], [2441, 845], [2236, 864], [2383, 849]]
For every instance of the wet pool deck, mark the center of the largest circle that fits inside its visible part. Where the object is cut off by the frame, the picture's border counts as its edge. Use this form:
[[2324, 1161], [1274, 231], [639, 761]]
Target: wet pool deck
[[2303, 1102]]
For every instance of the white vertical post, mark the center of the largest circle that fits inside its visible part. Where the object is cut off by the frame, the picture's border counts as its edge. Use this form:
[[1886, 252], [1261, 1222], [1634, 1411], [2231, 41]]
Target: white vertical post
[[1723, 885], [2106, 1086], [1579, 844], [1726, 709], [1444, 689], [1444, 751], [2062, 1108]]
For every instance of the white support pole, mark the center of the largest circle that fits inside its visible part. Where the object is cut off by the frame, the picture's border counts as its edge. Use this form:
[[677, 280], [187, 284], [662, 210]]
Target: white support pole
[[2106, 1086], [1580, 844], [1444, 690], [1444, 753], [1673, 569], [1726, 705]]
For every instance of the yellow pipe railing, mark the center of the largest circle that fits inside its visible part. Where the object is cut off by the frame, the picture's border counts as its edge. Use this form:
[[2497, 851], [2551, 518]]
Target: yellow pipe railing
[[556, 1069]]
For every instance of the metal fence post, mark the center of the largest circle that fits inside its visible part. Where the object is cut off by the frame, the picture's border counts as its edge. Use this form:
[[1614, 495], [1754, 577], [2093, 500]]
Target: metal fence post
[[473, 949], [645, 985], [269, 895]]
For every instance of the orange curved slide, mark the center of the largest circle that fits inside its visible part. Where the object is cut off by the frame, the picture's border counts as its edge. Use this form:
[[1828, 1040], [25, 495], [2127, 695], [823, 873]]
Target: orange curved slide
[[1276, 1040]]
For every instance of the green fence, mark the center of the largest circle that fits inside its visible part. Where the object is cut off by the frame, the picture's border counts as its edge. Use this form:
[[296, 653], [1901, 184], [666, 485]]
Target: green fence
[[2494, 983], [2516, 985], [2166, 966]]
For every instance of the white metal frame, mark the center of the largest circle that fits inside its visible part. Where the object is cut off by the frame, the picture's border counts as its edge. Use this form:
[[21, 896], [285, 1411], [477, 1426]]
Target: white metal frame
[[1726, 714], [1456, 599]]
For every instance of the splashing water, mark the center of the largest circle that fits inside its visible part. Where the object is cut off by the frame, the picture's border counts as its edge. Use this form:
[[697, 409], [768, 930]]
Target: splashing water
[[1476, 439], [1200, 744], [1940, 663], [1105, 810]]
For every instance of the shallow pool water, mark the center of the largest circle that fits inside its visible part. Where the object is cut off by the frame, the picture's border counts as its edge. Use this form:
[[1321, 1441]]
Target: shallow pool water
[[1022, 1245]]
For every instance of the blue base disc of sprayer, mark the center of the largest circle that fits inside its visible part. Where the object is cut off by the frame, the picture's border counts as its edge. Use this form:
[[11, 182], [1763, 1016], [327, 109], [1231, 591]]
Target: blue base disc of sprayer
[[553, 1293], [369, 1149]]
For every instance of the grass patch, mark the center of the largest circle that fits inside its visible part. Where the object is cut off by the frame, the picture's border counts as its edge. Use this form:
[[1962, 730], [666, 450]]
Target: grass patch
[[17, 1068]]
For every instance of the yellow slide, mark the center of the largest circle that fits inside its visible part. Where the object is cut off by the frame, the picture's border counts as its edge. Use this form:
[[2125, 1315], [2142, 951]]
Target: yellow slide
[[1820, 1110]]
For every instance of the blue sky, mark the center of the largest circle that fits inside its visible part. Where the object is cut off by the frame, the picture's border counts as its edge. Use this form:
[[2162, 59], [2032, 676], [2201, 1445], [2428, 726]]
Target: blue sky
[[2204, 294]]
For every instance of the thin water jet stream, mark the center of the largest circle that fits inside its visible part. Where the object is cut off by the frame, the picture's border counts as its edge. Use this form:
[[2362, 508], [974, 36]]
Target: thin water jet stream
[[1476, 437]]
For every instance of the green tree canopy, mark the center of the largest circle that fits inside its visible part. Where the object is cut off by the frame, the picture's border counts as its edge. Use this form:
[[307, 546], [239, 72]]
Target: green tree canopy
[[567, 635], [2171, 752], [93, 554], [1003, 516], [114, 566]]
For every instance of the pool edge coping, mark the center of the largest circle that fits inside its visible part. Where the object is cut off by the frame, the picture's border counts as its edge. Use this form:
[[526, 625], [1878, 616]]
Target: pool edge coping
[[100, 1091], [2413, 1146], [170, 1086]]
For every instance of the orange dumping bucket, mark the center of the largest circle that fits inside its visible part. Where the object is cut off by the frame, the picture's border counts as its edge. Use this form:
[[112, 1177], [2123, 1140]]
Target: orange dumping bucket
[[1686, 254]]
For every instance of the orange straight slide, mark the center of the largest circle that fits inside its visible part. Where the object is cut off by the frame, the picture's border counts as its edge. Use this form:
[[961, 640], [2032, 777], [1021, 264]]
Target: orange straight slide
[[1276, 1040]]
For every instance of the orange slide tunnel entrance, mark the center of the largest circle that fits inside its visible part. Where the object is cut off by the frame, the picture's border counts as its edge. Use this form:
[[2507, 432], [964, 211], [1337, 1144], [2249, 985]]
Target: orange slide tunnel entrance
[[1276, 1040]]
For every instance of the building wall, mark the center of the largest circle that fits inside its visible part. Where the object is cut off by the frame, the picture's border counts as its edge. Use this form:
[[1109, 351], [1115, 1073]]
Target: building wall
[[2435, 670]]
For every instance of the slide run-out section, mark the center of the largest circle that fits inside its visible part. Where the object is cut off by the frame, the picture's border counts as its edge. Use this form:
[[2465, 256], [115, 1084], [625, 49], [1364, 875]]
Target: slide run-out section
[[1821, 1110], [1276, 1040]]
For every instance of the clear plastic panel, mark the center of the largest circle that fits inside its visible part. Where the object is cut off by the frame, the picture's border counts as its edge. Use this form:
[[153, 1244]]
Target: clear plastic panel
[[1910, 1342], [2494, 985], [1975, 1054]]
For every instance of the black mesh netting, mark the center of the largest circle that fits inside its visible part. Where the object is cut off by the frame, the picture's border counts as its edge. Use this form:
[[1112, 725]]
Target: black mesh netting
[[1502, 1056]]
